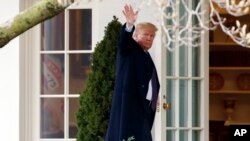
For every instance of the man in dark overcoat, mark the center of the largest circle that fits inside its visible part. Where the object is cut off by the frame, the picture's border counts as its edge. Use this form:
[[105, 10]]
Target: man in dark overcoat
[[136, 85]]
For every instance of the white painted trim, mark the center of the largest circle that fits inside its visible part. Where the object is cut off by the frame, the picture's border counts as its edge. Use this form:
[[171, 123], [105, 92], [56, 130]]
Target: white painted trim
[[177, 92], [205, 73], [28, 88], [67, 51], [66, 73], [160, 63], [28, 72], [189, 85]]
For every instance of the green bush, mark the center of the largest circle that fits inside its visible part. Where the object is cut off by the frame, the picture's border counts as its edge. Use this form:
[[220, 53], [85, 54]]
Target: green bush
[[95, 100]]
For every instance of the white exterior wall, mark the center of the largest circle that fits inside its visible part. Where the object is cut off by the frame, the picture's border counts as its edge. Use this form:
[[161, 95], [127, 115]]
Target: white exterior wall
[[9, 78], [109, 8], [9, 58]]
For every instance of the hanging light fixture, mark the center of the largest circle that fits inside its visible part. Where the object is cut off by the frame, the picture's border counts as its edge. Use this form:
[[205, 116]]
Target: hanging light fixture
[[186, 28], [183, 27], [238, 32], [180, 27]]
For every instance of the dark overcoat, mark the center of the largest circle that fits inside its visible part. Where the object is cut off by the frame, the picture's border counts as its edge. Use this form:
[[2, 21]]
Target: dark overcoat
[[131, 116]]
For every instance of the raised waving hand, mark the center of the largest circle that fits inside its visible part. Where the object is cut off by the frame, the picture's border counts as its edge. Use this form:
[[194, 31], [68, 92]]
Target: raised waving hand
[[130, 15]]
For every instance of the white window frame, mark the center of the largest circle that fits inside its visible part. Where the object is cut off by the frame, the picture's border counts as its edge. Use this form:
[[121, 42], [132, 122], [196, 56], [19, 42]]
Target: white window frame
[[30, 45]]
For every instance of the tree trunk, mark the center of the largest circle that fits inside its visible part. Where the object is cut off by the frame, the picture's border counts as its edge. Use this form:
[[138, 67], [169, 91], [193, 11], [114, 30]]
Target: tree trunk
[[30, 17]]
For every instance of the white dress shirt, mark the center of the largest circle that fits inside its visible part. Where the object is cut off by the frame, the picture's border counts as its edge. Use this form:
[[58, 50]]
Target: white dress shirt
[[150, 91]]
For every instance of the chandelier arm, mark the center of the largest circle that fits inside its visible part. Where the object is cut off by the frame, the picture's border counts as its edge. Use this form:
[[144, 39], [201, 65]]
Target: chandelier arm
[[187, 25], [198, 6], [192, 40], [167, 34], [176, 33], [234, 37], [201, 23], [215, 23], [189, 19], [183, 17], [185, 5], [167, 44]]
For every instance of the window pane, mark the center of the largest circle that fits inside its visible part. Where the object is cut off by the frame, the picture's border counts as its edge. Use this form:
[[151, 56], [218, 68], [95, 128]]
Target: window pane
[[183, 106], [52, 74], [170, 63], [183, 135], [196, 103], [73, 108], [170, 99], [79, 70], [196, 58], [53, 33], [196, 61], [182, 11], [183, 58], [80, 29], [52, 118], [196, 135], [170, 135]]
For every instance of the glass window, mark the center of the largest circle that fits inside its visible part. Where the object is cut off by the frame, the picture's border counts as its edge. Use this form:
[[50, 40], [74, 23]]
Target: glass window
[[52, 33], [183, 106], [52, 73], [171, 84], [196, 105], [52, 119], [79, 69], [73, 106], [65, 65], [80, 26]]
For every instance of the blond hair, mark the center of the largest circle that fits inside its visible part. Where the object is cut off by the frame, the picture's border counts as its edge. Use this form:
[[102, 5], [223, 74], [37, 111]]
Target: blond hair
[[144, 25]]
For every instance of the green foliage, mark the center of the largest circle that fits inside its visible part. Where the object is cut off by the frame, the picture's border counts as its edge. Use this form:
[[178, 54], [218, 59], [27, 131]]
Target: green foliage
[[95, 100]]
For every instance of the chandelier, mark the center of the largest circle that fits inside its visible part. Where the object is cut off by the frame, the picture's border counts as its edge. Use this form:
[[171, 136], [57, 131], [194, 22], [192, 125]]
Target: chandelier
[[184, 27], [238, 33]]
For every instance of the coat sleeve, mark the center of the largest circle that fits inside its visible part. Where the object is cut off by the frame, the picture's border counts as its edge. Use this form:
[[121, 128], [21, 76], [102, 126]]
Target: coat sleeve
[[125, 41]]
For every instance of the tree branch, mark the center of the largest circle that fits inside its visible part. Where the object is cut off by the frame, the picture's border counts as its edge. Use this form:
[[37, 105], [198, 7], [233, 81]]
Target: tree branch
[[30, 17]]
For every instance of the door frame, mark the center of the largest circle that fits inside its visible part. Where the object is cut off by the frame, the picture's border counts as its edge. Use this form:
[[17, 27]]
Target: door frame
[[160, 119]]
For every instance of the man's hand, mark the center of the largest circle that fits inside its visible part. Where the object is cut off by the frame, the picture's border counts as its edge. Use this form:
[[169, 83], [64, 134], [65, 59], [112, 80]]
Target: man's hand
[[130, 15]]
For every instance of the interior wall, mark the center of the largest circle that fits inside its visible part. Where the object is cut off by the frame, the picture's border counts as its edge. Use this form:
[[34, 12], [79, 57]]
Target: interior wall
[[240, 112], [224, 44]]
